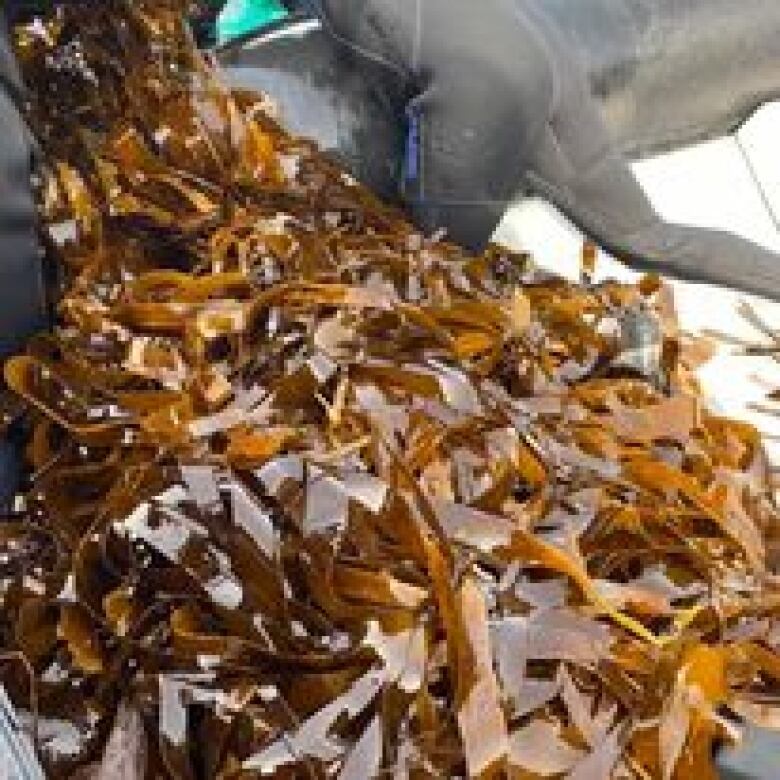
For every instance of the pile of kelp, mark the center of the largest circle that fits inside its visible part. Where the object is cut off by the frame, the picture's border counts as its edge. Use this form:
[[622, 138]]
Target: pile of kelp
[[314, 495]]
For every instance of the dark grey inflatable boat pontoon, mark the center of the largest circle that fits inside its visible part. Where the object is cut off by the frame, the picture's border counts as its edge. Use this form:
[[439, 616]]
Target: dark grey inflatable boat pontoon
[[531, 96]]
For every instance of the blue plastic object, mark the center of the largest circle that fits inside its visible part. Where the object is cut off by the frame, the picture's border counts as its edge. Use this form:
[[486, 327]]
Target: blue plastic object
[[239, 17]]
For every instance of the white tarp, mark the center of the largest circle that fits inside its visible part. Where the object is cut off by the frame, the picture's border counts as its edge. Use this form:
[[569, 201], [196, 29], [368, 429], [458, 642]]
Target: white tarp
[[731, 183]]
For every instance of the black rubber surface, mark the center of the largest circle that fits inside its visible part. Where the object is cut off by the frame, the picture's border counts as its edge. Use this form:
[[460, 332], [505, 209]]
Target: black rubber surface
[[22, 300], [504, 103]]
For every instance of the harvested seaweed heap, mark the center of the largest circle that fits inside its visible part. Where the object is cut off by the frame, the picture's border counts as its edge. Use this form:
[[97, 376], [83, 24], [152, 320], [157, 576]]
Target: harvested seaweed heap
[[314, 495]]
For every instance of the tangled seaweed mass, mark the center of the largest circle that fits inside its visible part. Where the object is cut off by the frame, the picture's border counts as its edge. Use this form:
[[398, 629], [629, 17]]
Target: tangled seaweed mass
[[313, 495]]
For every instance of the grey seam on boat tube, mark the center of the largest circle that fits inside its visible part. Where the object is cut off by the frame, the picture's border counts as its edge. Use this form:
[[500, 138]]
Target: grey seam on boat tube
[[767, 203]]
